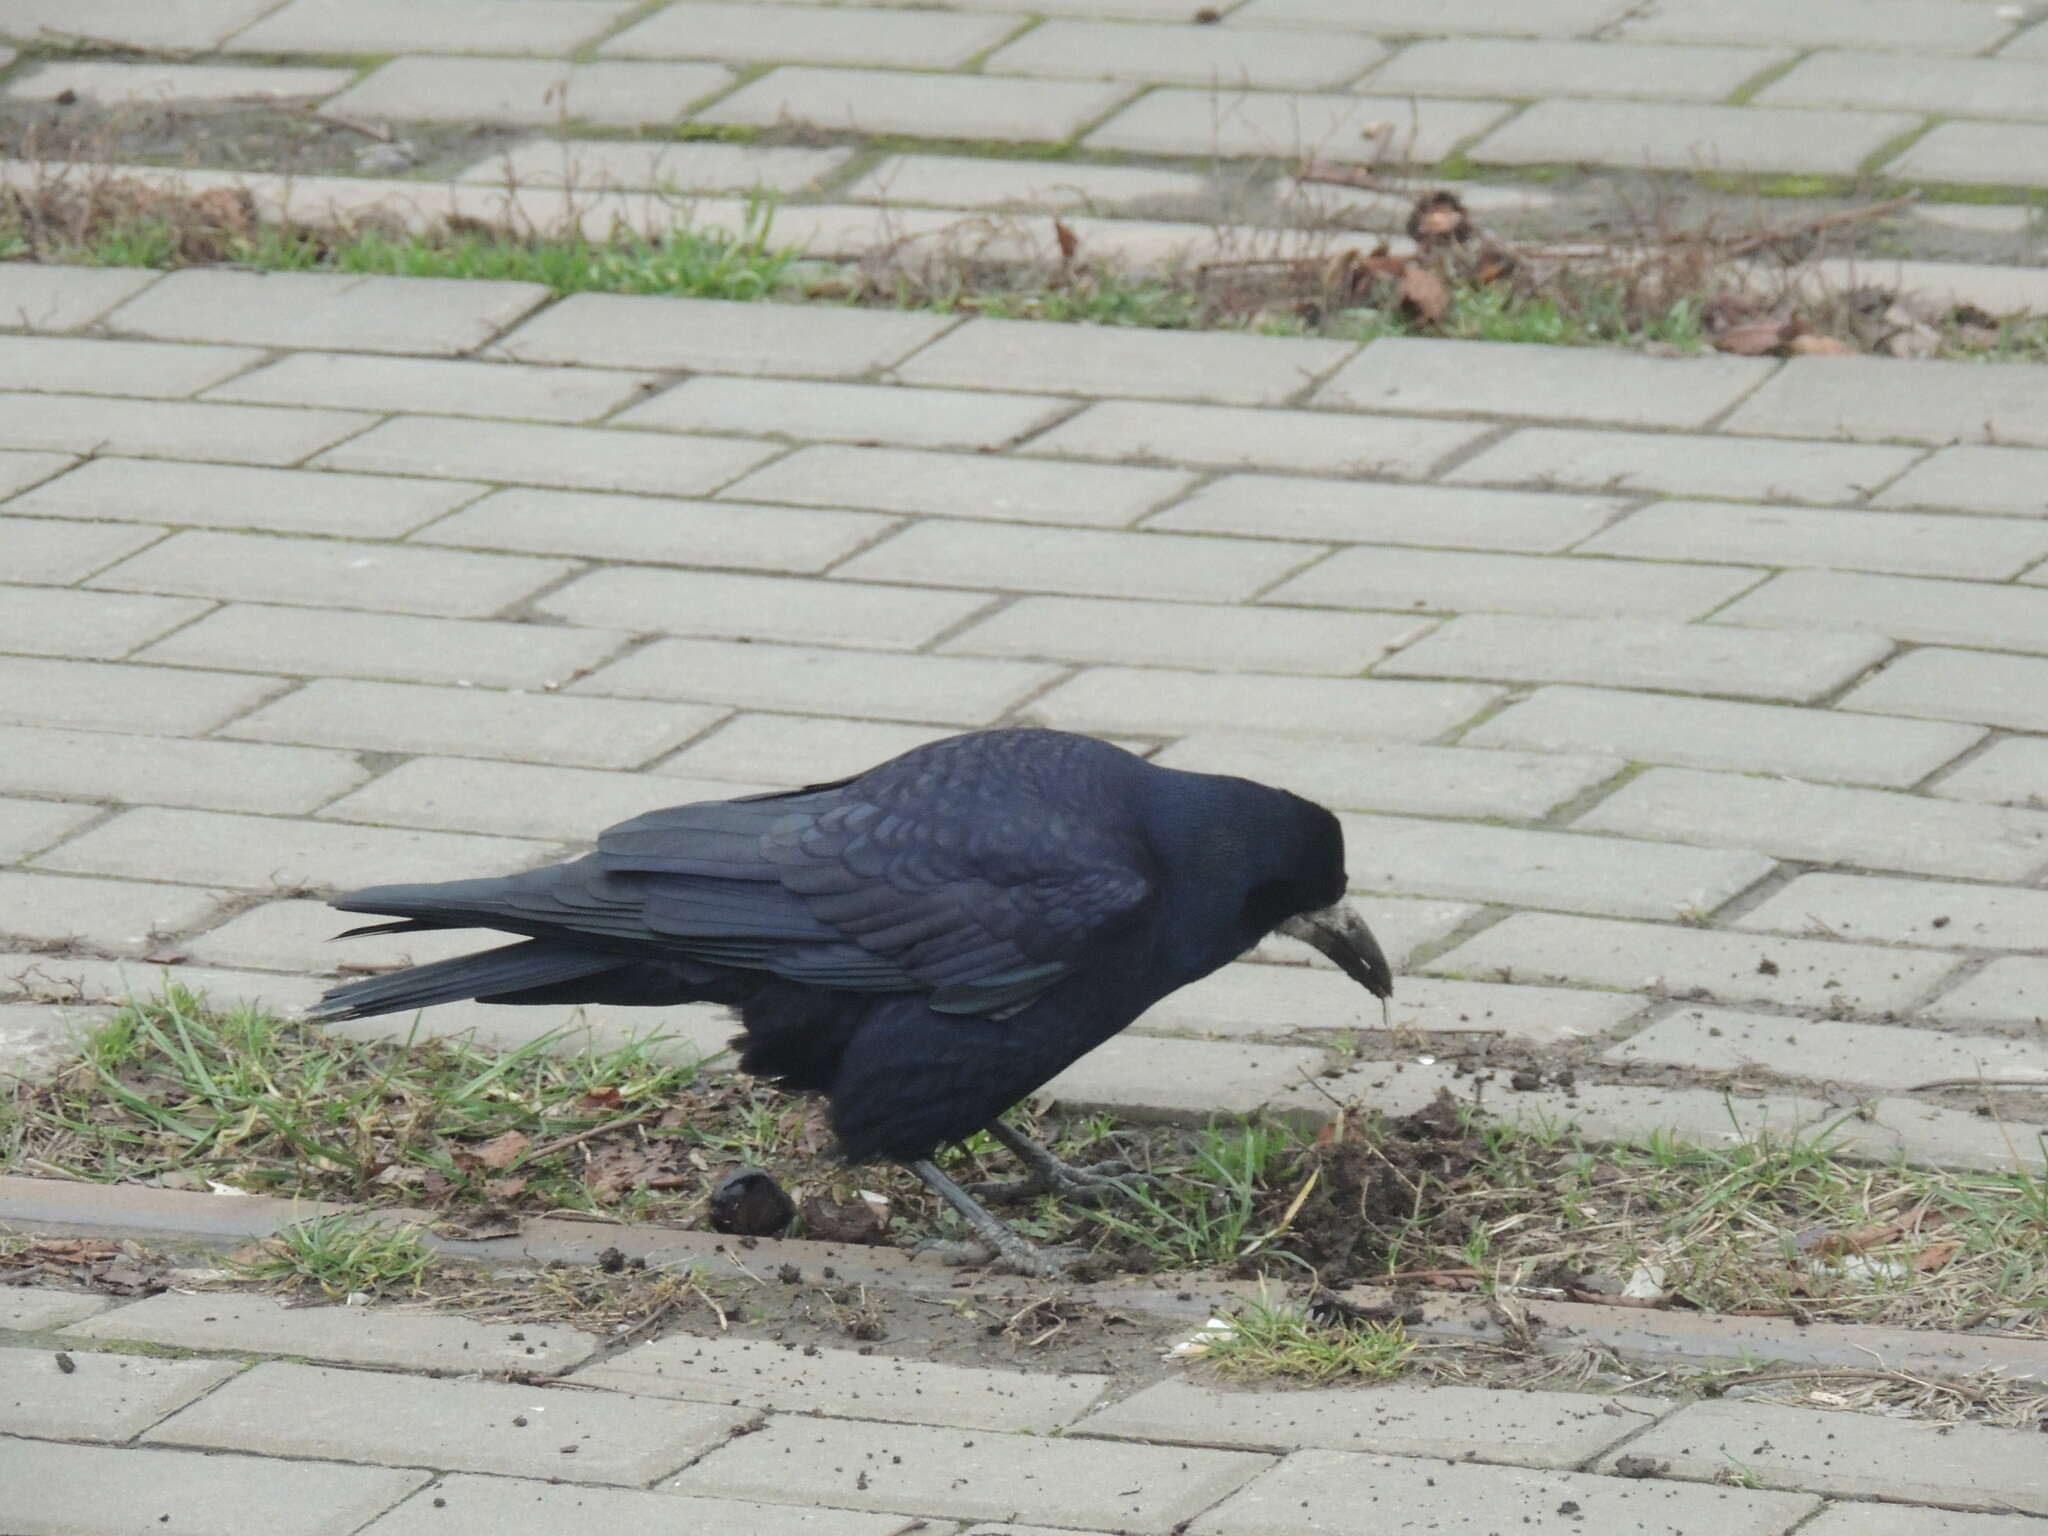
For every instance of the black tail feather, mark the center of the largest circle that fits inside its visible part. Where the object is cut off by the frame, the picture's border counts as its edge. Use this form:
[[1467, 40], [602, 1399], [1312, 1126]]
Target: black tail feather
[[491, 973]]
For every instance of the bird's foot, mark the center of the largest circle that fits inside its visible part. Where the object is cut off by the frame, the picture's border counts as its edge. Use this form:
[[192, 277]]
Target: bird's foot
[[1083, 1186], [1016, 1257]]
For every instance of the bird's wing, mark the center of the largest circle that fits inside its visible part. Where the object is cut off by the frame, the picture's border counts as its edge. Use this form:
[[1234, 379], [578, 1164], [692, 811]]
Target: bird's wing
[[975, 887]]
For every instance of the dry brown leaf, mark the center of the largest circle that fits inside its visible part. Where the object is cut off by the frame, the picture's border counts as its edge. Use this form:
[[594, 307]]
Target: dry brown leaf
[[1439, 218], [1936, 1256], [613, 1170], [502, 1152], [844, 1221], [504, 1189], [1816, 345], [1753, 338], [1070, 243], [601, 1101], [1425, 297]]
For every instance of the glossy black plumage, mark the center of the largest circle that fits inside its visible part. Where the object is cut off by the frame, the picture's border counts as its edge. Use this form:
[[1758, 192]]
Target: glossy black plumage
[[925, 943]]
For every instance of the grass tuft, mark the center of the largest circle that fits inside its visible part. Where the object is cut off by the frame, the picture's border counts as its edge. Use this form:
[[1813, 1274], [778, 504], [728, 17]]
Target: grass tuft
[[1266, 1340], [343, 1255]]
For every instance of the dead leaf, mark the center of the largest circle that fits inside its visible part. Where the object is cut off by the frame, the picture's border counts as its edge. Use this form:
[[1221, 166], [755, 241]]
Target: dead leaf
[[1816, 345], [477, 1226], [601, 1101], [504, 1189], [848, 1221], [612, 1171], [1753, 338], [1936, 1256], [501, 1152], [1439, 218], [1070, 243], [1425, 297]]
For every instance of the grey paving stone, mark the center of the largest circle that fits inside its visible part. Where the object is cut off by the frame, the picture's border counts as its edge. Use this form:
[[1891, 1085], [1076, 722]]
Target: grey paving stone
[[1466, 582], [1282, 999], [474, 722], [725, 606], [176, 24], [1975, 477], [1966, 1466], [1236, 438], [36, 1039], [969, 1475], [1106, 700], [1934, 913], [898, 39], [1534, 69], [463, 1505], [1901, 542], [113, 85], [92, 1490], [438, 88], [97, 366], [1533, 1429], [581, 458], [56, 621], [75, 980], [795, 749], [1940, 612], [1639, 653], [1185, 1082], [238, 496], [298, 936], [1689, 137], [414, 1341], [2001, 87], [319, 642], [45, 551], [1347, 512], [1219, 367], [1860, 1519], [957, 485], [1960, 685], [1994, 154], [36, 297], [1513, 18], [658, 530], [1866, 1055], [473, 1426], [119, 915], [1235, 123], [1562, 870], [1925, 402], [2011, 772], [1717, 733], [1912, 26], [923, 106], [107, 1398], [1322, 1491], [845, 1383], [720, 336], [951, 690], [1428, 781], [653, 165], [1934, 1136], [328, 311], [1687, 962], [19, 471], [1827, 824], [510, 799], [1211, 636], [848, 413], [171, 429], [2012, 990], [263, 852], [153, 770], [90, 695], [1082, 562], [436, 386], [1625, 462], [429, 26], [330, 573], [29, 825], [1499, 378], [1164, 53], [963, 181], [27, 1309]]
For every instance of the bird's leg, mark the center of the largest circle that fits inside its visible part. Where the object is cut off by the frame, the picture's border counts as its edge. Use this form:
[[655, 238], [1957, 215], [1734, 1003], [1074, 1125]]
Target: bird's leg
[[1050, 1175], [1013, 1253]]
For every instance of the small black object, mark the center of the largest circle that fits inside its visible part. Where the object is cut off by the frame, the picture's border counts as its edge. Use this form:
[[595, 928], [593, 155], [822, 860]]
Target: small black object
[[749, 1203]]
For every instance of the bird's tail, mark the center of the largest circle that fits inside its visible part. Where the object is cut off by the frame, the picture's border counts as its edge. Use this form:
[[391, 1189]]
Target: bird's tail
[[494, 975]]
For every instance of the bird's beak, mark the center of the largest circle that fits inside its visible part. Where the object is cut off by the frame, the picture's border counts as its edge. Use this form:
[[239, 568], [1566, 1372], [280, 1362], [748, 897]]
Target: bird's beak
[[1340, 933]]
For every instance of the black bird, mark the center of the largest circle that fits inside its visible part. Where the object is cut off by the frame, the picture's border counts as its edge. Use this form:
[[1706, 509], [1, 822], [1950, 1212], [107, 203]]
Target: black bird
[[924, 943]]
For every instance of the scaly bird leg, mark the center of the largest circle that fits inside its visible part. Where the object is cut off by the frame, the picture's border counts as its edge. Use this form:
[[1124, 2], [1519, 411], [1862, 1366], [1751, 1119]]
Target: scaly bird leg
[[1013, 1253], [1051, 1175]]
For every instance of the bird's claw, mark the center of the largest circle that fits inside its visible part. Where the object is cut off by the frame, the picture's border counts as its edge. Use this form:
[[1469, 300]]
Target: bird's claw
[[1020, 1258], [1083, 1186]]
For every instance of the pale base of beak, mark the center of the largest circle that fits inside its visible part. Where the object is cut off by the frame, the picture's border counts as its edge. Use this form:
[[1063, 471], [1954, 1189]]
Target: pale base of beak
[[1340, 933]]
